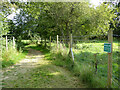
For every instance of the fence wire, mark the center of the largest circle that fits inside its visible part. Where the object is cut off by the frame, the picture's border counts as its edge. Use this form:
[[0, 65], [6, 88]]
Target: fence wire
[[89, 49]]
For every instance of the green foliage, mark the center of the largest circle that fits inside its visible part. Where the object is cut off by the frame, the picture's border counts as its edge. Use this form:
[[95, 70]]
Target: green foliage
[[86, 73], [9, 59], [11, 56], [49, 19], [3, 25], [26, 42], [61, 57], [43, 19], [84, 62]]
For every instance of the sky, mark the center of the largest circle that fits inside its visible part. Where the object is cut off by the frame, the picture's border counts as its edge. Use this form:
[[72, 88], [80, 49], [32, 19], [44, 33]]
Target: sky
[[11, 16], [95, 2]]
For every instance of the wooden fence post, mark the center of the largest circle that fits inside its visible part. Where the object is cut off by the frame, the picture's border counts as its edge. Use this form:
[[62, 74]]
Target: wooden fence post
[[50, 41], [45, 42], [57, 43], [14, 42], [6, 43], [71, 41], [95, 62], [41, 41], [110, 40]]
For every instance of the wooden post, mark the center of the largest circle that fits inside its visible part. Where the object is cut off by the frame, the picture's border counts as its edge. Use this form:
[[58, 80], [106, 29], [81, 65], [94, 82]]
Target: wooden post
[[41, 41], [50, 41], [14, 42], [6, 43], [95, 62], [57, 42], [45, 42], [110, 40]]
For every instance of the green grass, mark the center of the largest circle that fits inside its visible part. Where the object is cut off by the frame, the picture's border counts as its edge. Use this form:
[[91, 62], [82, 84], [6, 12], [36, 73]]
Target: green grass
[[83, 67], [38, 47], [84, 54], [44, 74], [84, 61], [12, 56], [10, 59]]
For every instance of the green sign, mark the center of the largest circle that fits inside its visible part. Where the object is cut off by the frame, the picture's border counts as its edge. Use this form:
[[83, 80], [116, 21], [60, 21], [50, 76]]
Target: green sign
[[107, 47]]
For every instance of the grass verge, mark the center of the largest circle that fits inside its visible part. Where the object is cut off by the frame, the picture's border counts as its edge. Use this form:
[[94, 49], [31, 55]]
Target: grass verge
[[12, 56], [83, 64]]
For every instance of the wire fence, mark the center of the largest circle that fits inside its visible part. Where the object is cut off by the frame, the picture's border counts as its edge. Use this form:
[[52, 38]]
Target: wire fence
[[90, 49], [6, 43]]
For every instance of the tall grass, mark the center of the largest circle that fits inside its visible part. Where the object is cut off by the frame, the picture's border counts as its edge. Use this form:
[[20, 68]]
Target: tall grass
[[12, 55], [84, 71], [84, 62], [60, 56]]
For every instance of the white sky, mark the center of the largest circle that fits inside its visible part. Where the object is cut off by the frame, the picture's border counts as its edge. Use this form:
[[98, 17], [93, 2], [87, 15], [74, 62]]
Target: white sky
[[95, 2], [11, 16]]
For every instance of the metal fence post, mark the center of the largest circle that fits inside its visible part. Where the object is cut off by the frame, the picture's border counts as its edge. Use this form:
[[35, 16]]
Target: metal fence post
[[57, 43], [50, 41]]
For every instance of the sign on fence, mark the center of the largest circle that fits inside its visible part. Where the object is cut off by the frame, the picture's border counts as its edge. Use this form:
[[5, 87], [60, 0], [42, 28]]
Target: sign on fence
[[107, 47]]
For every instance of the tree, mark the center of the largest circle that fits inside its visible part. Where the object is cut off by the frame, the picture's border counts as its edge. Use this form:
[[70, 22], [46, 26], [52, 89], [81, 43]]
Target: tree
[[49, 18], [117, 29]]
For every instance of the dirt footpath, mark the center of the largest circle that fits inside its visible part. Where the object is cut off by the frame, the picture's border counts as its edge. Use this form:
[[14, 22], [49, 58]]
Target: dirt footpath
[[36, 72]]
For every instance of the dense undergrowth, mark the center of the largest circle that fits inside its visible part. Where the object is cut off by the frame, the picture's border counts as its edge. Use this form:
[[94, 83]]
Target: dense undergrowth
[[84, 63]]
